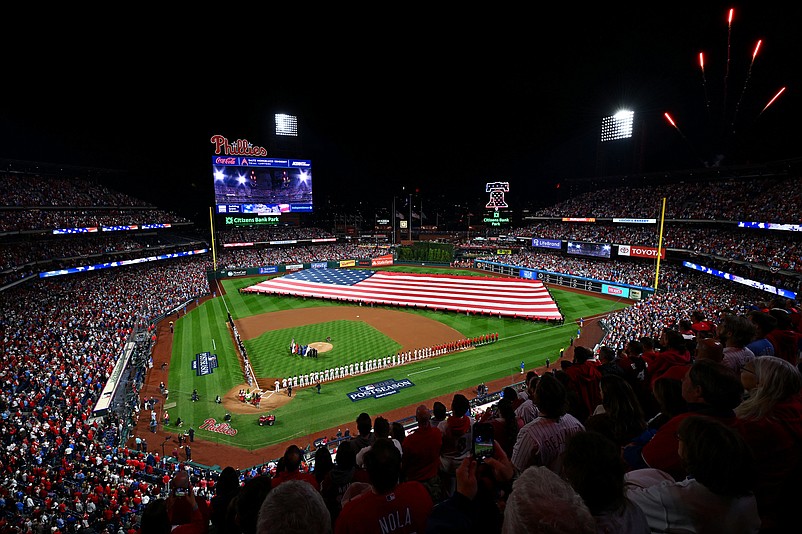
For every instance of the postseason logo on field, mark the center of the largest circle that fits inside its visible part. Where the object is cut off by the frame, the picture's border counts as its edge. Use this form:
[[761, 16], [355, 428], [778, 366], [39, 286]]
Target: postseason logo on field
[[204, 363], [380, 389]]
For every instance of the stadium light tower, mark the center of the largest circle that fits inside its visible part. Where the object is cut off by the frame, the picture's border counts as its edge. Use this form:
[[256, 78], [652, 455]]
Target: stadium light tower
[[286, 125], [286, 136], [620, 145], [619, 126]]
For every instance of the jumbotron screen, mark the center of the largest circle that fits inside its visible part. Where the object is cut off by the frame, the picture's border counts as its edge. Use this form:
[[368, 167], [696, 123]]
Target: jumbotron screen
[[262, 186], [598, 250]]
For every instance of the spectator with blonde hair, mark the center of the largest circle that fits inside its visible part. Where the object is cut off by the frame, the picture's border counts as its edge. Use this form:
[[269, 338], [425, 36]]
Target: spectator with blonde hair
[[771, 419], [542, 502], [294, 506]]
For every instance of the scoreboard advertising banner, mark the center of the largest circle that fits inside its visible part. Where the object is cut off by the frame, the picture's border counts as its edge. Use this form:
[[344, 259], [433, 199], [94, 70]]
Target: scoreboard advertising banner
[[637, 251], [252, 220], [387, 259], [555, 244]]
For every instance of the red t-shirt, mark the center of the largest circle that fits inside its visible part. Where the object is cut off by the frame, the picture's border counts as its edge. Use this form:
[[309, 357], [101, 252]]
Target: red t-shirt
[[585, 382], [405, 510], [421, 458], [664, 361]]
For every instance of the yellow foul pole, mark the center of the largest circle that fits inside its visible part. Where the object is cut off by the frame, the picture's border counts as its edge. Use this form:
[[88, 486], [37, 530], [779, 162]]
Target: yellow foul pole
[[660, 244], [211, 225]]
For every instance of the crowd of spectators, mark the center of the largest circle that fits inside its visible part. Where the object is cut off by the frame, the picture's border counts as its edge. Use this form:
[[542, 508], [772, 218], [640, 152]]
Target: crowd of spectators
[[250, 257], [758, 199], [59, 248], [61, 466], [17, 220], [271, 233], [27, 189]]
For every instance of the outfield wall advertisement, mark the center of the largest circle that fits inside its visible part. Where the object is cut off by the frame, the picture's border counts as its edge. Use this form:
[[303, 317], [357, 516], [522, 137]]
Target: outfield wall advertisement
[[566, 280]]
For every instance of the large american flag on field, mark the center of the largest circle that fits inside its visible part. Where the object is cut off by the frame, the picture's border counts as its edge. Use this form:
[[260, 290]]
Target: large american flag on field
[[513, 297]]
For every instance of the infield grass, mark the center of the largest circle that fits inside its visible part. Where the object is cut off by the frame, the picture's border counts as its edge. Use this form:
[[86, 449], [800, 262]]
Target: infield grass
[[205, 329]]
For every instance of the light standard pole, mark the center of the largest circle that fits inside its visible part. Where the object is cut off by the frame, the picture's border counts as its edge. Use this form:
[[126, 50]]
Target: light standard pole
[[410, 217], [164, 455]]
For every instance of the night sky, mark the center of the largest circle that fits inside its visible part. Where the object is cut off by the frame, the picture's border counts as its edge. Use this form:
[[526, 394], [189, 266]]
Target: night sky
[[424, 104]]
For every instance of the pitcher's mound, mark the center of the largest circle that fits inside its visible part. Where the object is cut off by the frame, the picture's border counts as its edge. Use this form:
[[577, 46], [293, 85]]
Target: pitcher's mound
[[321, 346]]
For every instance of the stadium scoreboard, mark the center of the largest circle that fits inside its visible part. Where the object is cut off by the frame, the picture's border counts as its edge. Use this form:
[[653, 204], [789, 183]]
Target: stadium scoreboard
[[261, 185]]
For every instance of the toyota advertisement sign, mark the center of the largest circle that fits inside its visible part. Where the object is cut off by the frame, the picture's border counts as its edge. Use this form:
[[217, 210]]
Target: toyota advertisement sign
[[638, 251]]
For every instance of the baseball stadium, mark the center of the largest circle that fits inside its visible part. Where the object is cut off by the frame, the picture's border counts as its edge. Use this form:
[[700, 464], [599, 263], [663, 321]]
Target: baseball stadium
[[199, 363], [615, 351]]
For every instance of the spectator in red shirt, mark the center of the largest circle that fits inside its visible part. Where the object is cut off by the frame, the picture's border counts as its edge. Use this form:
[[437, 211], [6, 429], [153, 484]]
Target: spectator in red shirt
[[293, 457], [674, 352], [421, 458], [710, 389], [187, 514], [701, 326], [584, 380], [401, 508], [784, 338]]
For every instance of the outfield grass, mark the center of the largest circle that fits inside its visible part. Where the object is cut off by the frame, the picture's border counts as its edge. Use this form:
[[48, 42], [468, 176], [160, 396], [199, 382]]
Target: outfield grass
[[205, 329]]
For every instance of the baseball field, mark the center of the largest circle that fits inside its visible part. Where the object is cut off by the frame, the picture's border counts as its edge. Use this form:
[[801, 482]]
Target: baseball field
[[344, 335]]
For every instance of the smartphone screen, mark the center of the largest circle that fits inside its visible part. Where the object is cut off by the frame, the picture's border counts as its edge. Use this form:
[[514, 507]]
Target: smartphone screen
[[482, 441]]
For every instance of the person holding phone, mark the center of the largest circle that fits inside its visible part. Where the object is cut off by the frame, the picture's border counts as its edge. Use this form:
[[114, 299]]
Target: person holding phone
[[187, 514], [483, 442], [475, 505]]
